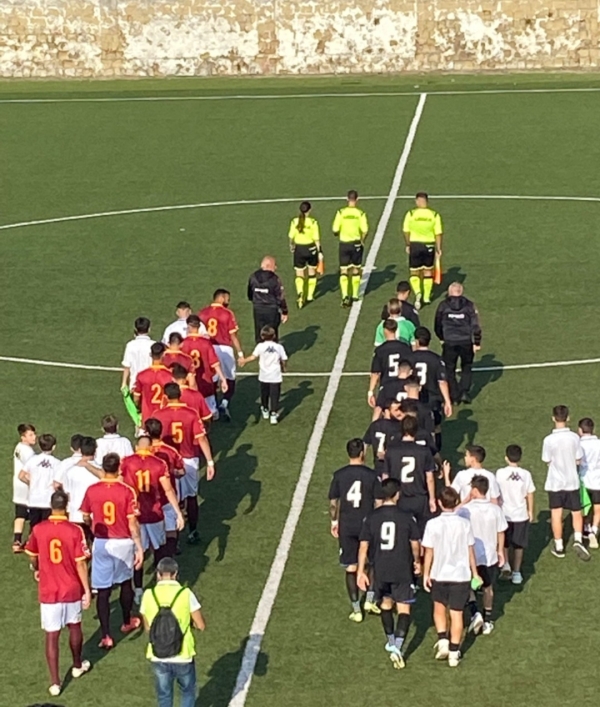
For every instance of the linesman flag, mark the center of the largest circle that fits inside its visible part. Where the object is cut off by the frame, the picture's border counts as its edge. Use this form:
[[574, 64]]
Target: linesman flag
[[437, 271]]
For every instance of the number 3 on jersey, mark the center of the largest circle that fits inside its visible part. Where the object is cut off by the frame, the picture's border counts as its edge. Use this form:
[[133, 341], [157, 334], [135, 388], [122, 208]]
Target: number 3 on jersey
[[354, 495]]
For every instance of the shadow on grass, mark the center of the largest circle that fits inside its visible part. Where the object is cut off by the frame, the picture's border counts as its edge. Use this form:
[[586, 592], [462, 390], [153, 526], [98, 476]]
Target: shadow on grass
[[303, 340], [482, 377], [379, 278], [454, 274], [458, 432], [421, 612], [222, 676]]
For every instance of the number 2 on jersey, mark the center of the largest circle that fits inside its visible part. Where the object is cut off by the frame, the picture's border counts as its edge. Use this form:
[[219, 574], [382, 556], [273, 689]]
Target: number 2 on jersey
[[388, 535], [157, 393], [408, 470], [354, 495]]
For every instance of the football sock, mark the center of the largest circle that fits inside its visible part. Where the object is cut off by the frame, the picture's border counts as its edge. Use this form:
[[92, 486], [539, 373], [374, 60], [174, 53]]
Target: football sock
[[230, 391], [75, 643], [159, 554], [415, 283], [171, 547], [344, 286], [192, 512], [370, 596], [138, 578], [427, 288], [126, 600], [52, 639], [594, 530], [443, 635], [355, 285], [578, 537], [402, 625], [299, 286], [558, 544], [18, 537], [473, 608], [487, 614], [352, 588], [438, 441], [312, 286], [103, 611], [454, 647], [387, 621], [391, 639]]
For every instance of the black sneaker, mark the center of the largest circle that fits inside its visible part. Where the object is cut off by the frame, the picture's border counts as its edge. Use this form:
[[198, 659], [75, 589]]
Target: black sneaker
[[193, 538], [466, 398], [346, 302]]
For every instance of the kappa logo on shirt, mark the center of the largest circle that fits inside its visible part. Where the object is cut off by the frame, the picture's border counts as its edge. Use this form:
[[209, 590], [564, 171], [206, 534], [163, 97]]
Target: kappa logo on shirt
[[515, 476], [270, 349], [45, 464]]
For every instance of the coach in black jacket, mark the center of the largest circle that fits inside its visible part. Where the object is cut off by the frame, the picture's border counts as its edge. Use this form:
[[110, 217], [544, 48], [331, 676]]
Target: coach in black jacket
[[265, 291], [457, 327]]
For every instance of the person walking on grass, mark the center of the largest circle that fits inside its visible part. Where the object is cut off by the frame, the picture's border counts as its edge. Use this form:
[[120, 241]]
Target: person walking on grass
[[271, 362], [305, 245], [590, 475]]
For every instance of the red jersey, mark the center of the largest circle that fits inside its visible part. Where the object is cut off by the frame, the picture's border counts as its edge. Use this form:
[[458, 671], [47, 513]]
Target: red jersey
[[181, 428], [150, 385], [173, 356], [58, 545], [195, 400], [143, 472], [205, 360], [111, 503], [220, 323], [171, 458]]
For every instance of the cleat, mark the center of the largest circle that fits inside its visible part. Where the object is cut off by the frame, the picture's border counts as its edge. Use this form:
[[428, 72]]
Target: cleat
[[517, 578], [106, 643], [54, 690], [224, 413], [454, 658], [138, 593], [442, 649], [215, 415], [346, 302], [309, 300], [356, 616], [372, 608], [355, 299], [17, 547], [274, 418], [488, 627], [78, 672], [193, 538], [592, 542], [582, 552], [476, 624], [506, 572], [300, 302], [134, 623], [418, 302], [395, 656], [466, 398], [265, 413], [558, 553]]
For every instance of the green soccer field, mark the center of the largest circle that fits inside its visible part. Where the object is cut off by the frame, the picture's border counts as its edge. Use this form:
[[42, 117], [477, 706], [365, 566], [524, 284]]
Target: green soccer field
[[173, 198]]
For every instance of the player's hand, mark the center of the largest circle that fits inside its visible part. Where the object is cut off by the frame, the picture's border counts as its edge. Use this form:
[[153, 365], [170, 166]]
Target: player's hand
[[138, 561], [476, 348], [36, 575], [224, 386], [371, 399], [86, 600], [448, 409], [427, 583], [417, 569], [284, 318], [335, 529], [500, 559], [407, 249], [210, 472], [180, 522], [446, 469], [531, 518], [432, 506], [362, 580], [438, 253]]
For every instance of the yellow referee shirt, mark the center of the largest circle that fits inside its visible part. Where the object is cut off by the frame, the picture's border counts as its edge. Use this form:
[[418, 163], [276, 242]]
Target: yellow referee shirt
[[308, 236], [351, 224], [423, 225]]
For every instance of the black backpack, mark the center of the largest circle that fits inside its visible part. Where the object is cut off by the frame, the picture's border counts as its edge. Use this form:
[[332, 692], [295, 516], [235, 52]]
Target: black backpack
[[166, 636]]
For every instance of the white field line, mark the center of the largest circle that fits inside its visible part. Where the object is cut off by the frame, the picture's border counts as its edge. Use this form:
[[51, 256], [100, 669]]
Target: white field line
[[283, 200], [280, 96], [304, 374], [269, 593]]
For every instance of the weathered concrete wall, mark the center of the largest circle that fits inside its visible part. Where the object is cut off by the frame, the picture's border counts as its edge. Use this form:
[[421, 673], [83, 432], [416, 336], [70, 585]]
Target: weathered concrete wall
[[203, 37]]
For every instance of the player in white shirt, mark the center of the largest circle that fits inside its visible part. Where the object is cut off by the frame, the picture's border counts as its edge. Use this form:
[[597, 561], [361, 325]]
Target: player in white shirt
[[590, 474], [112, 442], [137, 352], [448, 569], [474, 458], [517, 489], [22, 454], [271, 365], [489, 525], [76, 480], [179, 326], [38, 473], [562, 452], [75, 445]]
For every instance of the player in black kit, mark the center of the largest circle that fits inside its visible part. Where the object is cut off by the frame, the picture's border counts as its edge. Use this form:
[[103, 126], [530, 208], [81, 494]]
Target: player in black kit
[[391, 537], [387, 359], [380, 433], [352, 495], [393, 389]]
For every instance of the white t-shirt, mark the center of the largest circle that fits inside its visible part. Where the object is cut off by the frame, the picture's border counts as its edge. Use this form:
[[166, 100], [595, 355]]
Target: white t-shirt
[[462, 483], [42, 470], [137, 356], [22, 454], [66, 464], [450, 536], [561, 451], [515, 484], [180, 326], [487, 520], [270, 355], [76, 481], [110, 444], [590, 466]]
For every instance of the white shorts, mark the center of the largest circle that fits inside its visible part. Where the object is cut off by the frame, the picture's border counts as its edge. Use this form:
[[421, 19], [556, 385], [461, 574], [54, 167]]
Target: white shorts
[[112, 561], [57, 616], [227, 360], [153, 535], [170, 517], [211, 402], [188, 484]]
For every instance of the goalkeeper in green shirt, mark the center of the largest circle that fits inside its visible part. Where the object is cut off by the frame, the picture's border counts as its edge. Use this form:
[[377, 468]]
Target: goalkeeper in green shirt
[[351, 227], [406, 329]]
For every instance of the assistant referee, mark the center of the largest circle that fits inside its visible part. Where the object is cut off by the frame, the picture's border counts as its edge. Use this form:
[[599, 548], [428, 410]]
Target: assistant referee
[[351, 227], [265, 291], [305, 244], [423, 235]]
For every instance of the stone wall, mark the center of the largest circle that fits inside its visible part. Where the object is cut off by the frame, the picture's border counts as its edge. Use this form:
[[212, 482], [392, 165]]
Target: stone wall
[[86, 38]]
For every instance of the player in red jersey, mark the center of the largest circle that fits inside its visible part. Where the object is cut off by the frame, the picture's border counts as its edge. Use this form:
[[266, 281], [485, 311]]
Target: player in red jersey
[[150, 383], [149, 476], [190, 397], [183, 429], [59, 555], [174, 462], [110, 507], [206, 363], [222, 328], [174, 354]]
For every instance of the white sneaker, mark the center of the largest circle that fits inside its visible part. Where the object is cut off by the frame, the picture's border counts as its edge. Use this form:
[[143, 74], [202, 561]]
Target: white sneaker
[[274, 418], [442, 649], [505, 572], [137, 595], [517, 578], [476, 624], [592, 541], [454, 659], [396, 657], [264, 412], [581, 551], [418, 302], [78, 672], [54, 690], [488, 627]]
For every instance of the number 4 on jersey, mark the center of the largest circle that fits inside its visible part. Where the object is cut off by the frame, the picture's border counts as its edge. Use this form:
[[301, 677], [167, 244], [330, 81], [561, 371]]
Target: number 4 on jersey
[[354, 495]]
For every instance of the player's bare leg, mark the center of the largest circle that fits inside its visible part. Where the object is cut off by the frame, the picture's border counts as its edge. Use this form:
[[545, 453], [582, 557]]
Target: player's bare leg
[[415, 283], [578, 546], [352, 589], [80, 667], [556, 523], [370, 606], [52, 651], [593, 534], [440, 620], [299, 282], [18, 527], [311, 285], [427, 275], [456, 631], [345, 285], [488, 605]]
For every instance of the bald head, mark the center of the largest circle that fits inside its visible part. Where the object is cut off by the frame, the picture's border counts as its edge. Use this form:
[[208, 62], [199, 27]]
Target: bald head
[[455, 289], [268, 263]]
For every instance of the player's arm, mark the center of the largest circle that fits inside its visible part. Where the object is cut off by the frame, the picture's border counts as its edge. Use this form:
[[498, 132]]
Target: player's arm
[[292, 235], [374, 379], [337, 224], [220, 376], [235, 340], [204, 445], [364, 227], [430, 478], [427, 562], [475, 328], [24, 476], [415, 546], [473, 562], [198, 620], [406, 230], [248, 359], [445, 393], [439, 318], [531, 507], [84, 577], [92, 468], [334, 516], [500, 548], [438, 230], [446, 469], [167, 487], [362, 578], [134, 529]]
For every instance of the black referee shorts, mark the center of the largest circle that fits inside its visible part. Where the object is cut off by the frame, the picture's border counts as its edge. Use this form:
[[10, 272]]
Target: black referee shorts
[[306, 256], [421, 256], [351, 254]]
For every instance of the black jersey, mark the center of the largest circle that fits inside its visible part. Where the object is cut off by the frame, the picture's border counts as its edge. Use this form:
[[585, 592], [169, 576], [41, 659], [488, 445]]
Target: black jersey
[[392, 391], [355, 485], [410, 463], [388, 530], [380, 434], [430, 369], [387, 358]]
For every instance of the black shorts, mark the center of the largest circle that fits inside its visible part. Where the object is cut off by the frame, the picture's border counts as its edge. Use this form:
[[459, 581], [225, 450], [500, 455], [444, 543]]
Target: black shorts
[[488, 574], [594, 495], [569, 500], [418, 507], [421, 256], [351, 254], [37, 515], [349, 543], [306, 255], [400, 593], [21, 511], [454, 595], [517, 534]]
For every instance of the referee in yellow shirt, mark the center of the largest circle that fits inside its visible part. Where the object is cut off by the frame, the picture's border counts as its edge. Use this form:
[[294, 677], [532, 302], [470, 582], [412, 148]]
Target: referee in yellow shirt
[[305, 244], [423, 235], [351, 227]]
